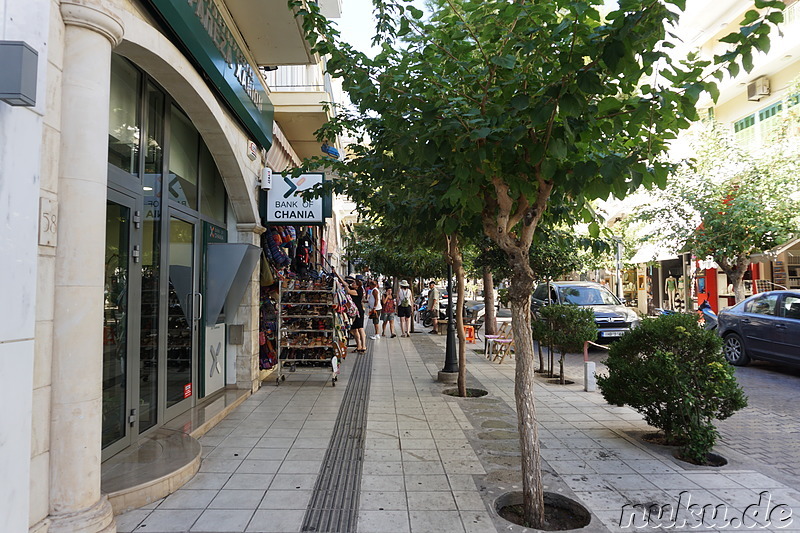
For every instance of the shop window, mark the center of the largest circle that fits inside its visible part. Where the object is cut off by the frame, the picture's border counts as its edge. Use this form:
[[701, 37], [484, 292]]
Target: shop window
[[212, 190], [184, 148], [123, 118]]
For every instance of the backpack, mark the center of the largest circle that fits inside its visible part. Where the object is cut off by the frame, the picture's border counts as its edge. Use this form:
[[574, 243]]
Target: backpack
[[405, 301]]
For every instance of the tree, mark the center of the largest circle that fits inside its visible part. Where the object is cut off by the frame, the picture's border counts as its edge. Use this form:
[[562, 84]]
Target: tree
[[509, 107], [729, 203], [380, 248]]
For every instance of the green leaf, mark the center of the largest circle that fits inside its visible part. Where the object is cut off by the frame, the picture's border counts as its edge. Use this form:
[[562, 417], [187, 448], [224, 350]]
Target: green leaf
[[557, 148], [613, 52], [548, 168], [416, 13], [594, 230], [507, 61], [480, 133], [520, 101]]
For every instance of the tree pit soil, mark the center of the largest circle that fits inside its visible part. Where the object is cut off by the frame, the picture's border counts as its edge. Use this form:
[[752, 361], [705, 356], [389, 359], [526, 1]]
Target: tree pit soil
[[712, 459], [561, 513], [471, 393], [661, 439], [558, 382]]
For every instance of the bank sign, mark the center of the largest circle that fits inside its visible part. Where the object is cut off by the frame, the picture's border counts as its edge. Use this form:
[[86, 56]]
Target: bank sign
[[285, 204]]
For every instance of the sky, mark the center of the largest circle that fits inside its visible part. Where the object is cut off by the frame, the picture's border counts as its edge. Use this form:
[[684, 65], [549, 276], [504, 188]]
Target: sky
[[358, 27]]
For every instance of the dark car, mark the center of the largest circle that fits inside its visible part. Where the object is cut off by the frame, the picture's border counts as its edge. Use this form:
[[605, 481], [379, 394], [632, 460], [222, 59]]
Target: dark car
[[612, 318], [765, 326]]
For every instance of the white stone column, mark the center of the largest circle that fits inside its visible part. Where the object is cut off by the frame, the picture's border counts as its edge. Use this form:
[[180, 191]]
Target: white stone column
[[76, 503]]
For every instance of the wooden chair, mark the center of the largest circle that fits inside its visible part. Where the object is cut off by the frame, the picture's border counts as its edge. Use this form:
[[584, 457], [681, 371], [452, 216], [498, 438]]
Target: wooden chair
[[503, 347], [489, 340]]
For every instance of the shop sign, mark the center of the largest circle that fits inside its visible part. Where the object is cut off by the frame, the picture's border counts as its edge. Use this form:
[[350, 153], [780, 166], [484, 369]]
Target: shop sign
[[187, 390], [199, 24], [285, 204]]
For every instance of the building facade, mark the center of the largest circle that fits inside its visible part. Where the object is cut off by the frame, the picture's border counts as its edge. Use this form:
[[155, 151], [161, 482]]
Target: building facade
[[130, 238]]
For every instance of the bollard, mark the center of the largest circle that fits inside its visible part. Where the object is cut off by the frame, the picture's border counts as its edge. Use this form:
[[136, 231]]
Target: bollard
[[589, 379]]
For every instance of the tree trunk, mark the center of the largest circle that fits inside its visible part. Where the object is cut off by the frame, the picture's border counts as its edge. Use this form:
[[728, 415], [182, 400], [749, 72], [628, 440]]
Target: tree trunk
[[489, 315], [532, 488], [736, 275], [457, 262]]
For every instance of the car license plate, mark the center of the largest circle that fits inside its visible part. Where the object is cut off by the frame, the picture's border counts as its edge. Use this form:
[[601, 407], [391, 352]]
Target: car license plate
[[612, 333]]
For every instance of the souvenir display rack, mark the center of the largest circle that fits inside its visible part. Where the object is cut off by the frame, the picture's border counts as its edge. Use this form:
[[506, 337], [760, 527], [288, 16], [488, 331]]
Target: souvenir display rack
[[312, 328]]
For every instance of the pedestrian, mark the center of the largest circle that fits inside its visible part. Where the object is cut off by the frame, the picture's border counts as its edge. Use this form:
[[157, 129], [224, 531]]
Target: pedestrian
[[355, 288], [374, 306], [388, 312], [405, 299], [433, 306]]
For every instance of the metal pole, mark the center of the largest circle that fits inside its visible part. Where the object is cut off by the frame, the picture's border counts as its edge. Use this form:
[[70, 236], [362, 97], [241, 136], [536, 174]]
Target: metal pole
[[450, 359], [619, 267]]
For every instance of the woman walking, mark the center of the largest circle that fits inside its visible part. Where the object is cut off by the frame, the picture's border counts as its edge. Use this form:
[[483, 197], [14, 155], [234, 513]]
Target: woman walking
[[355, 289], [405, 299], [388, 312]]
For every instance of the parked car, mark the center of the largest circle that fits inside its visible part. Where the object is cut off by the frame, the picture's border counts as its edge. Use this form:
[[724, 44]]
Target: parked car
[[611, 316], [765, 326]]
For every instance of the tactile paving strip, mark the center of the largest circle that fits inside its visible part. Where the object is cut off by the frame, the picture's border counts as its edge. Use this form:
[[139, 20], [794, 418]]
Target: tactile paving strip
[[334, 503]]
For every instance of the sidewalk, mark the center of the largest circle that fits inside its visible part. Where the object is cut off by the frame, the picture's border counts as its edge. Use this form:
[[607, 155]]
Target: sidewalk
[[428, 462]]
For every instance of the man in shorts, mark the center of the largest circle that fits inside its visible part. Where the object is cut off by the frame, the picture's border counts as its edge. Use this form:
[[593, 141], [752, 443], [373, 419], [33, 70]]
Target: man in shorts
[[433, 306]]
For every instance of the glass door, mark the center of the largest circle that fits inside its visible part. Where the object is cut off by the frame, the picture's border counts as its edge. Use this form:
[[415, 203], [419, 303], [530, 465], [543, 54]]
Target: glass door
[[119, 345], [183, 314]]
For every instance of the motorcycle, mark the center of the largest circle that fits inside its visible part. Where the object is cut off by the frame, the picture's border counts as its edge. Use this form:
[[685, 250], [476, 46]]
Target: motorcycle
[[707, 317]]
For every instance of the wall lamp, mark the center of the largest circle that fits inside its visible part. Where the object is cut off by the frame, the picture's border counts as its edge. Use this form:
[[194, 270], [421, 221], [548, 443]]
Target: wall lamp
[[18, 66]]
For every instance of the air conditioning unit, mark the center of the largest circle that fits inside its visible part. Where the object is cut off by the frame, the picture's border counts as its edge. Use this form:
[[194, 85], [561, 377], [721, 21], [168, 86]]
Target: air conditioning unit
[[758, 89]]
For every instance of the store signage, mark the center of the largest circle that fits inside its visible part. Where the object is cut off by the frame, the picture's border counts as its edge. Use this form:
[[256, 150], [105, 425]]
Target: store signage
[[285, 203], [199, 24], [187, 390]]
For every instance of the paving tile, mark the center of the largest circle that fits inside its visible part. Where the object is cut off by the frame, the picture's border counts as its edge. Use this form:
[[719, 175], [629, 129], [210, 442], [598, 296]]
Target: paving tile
[[127, 522], [469, 500], [286, 499], [384, 522], [477, 522], [294, 481], [267, 454], [206, 481], [382, 501], [222, 521], [188, 499], [220, 465], [426, 483], [237, 499], [169, 521], [382, 468], [436, 522], [249, 481], [255, 466], [276, 521], [382, 483]]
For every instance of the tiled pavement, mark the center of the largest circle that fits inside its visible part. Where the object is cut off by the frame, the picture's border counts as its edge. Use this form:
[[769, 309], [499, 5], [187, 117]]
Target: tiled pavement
[[433, 463]]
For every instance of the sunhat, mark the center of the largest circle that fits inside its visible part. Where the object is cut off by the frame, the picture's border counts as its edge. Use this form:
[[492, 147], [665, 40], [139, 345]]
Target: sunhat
[[404, 283]]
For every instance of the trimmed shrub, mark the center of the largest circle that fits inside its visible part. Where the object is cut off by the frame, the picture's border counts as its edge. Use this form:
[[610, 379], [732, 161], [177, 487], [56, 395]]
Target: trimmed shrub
[[673, 372], [566, 328]]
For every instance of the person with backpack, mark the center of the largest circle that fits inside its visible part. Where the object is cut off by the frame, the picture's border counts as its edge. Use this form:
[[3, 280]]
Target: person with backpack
[[405, 299], [374, 306]]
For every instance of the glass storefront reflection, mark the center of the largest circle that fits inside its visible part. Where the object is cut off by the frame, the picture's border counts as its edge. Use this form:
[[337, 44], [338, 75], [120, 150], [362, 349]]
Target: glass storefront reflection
[[180, 317], [115, 323]]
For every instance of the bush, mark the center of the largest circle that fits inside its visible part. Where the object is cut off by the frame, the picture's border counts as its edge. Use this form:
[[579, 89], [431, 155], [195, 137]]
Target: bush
[[672, 371], [565, 327]]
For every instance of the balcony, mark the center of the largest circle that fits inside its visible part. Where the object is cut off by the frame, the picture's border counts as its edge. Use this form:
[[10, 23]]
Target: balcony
[[299, 94], [273, 34]]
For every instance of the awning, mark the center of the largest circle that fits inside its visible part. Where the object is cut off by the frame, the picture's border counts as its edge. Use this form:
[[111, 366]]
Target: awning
[[772, 254], [230, 266]]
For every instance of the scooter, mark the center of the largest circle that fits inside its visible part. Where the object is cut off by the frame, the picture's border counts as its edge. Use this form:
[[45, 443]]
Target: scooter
[[707, 316]]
